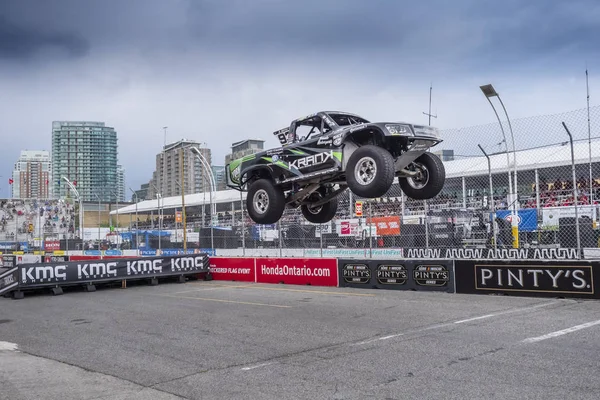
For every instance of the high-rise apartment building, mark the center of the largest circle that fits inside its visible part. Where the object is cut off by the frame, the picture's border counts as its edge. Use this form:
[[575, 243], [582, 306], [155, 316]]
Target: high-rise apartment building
[[218, 172], [167, 175], [32, 175], [86, 153], [244, 148], [121, 183]]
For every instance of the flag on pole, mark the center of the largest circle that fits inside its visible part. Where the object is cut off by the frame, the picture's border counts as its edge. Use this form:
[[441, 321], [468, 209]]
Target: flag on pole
[[10, 181]]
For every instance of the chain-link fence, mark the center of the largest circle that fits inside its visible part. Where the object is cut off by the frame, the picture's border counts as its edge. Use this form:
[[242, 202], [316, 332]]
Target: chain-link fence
[[476, 207], [554, 183]]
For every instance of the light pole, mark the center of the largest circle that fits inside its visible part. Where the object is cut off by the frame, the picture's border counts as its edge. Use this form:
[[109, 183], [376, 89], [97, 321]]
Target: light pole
[[99, 237], [117, 205], [72, 187], [136, 218], [492, 205], [489, 92], [206, 168]]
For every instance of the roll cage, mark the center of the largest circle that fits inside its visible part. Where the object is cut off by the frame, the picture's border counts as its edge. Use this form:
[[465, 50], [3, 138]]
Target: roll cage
[[320, 123]]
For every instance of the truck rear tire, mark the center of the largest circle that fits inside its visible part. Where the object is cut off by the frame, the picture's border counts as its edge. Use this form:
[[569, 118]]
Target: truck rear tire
[[370, 171], [321, 214], [265, 202]]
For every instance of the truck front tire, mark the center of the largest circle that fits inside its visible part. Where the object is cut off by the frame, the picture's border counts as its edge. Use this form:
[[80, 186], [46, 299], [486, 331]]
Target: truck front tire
[[370, 171], [429, 181]]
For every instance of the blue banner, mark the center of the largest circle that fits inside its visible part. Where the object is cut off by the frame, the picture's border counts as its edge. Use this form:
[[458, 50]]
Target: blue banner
[[113, 253], [527, 218], [92, 252], [174, 252]]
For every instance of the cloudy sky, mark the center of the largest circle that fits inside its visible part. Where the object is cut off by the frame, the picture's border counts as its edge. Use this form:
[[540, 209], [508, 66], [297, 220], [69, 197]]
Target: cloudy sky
[[219, 71]]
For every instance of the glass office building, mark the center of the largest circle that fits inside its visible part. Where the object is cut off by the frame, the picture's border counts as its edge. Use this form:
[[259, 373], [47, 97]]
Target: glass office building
[[86, 153]]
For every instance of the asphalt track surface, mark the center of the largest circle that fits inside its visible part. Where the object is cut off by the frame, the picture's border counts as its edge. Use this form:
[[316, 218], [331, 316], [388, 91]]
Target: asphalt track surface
[[227, 340]]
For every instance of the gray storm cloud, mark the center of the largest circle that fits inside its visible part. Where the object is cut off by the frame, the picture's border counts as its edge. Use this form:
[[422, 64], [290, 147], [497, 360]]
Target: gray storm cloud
[[224, 70]]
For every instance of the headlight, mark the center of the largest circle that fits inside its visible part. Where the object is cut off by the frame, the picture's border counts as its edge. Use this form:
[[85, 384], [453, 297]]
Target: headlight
[[399, 129]]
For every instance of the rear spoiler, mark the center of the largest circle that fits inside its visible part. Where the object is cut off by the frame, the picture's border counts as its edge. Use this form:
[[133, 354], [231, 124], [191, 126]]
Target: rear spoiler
[[282, 135]]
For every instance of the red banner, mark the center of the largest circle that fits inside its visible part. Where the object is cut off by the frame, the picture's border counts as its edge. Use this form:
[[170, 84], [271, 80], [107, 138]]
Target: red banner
[[51, 245], [84, 258], [386, 226], [232, 269], [297, 271]]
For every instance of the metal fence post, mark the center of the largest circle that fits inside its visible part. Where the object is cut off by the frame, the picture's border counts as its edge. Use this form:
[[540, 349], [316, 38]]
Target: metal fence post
[[243, 224], [426, 224], [575, 197], [280, 238], [321, 238], [370, 230]]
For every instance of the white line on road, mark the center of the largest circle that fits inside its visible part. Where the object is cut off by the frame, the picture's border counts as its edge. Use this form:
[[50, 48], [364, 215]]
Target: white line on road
[[8, 346], [512, 310], [444, 325], [379, 338], [561, 332], [256, 366]]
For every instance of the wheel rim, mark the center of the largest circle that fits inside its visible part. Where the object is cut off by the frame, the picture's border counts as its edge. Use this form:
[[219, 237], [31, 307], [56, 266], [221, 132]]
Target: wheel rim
[[260, 201], [315, 210], [365, 170], [421, 179]]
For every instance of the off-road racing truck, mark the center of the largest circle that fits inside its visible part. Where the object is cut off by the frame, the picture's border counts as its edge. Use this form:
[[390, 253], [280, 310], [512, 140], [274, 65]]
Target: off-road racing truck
[[323, 154]]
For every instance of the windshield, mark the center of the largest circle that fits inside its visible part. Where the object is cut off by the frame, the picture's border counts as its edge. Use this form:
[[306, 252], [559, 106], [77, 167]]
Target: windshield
[[347, 119]]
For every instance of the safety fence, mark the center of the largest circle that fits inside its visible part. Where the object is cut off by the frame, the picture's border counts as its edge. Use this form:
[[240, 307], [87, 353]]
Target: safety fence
[[27, 273], [557, 278]]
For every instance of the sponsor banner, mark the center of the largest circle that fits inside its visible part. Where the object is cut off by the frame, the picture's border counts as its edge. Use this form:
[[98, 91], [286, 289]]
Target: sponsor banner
[[354, 253], [8, 261], [398, 274], [355, 273], [550, 278], [491, 254], [552, 215], [526, 217], [28, 259], [113, 252], [149, 252], [174, 252], [51, 245], [232, 269], [67, 273], [297, 271], [92, 252], [386, 226], [49, 258], [9, 280]]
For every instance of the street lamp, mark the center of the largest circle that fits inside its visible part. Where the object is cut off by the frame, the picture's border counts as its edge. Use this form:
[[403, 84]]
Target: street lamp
[[206, 168], [136, 218], [489, 92], [72, 187]]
